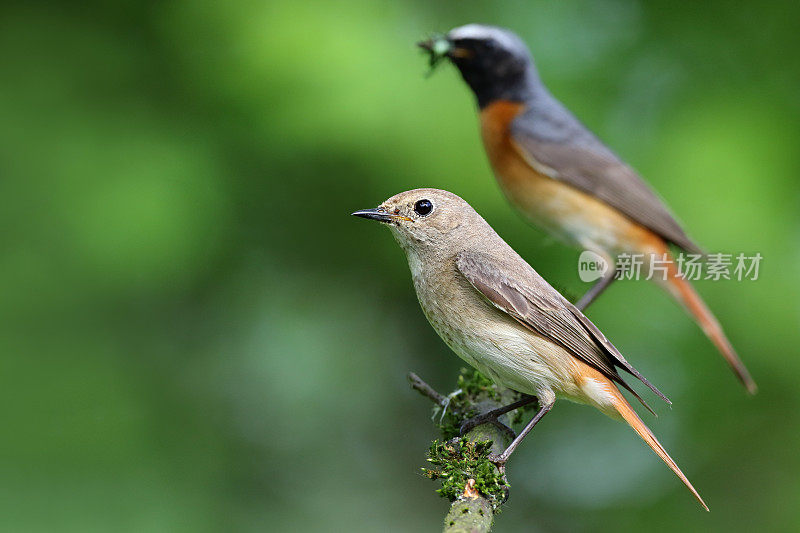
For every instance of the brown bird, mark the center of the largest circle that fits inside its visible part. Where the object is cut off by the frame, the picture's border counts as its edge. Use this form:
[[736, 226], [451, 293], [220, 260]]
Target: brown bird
[[504, 319], [562, 178]]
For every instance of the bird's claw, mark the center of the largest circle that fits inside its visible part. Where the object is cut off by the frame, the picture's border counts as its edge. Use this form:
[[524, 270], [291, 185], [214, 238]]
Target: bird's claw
[[471, 423]]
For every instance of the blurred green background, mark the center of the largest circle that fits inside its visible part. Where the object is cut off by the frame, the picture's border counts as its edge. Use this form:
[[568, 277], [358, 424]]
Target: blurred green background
[[196, 335]]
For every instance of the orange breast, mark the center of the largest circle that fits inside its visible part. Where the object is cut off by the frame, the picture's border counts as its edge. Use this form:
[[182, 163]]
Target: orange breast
[[567, 212]]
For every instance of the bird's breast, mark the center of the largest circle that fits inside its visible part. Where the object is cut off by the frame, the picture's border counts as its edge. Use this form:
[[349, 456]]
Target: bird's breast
[[534, 189]]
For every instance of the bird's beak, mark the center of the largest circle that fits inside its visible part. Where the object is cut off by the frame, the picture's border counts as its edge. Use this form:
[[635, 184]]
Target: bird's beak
[[439, 47], [376, 214]]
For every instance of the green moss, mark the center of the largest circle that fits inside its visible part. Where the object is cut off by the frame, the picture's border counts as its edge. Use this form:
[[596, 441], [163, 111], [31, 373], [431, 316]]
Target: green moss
[[449, 419], [472, 387], [477, 386], [457, 461]]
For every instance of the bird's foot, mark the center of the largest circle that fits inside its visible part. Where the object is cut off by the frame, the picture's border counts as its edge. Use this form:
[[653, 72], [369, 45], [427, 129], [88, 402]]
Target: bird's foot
[[491, 417]]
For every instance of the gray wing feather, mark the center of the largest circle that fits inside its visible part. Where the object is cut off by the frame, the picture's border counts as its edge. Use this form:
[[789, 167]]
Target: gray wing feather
[[552, 136], [536, 305]]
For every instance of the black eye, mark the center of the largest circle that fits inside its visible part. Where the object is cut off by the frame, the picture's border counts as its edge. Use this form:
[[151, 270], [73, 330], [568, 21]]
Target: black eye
[[423, 207]]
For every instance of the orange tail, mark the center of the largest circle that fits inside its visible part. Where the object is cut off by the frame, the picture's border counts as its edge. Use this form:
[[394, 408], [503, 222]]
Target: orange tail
[[683, 291], [629, 415]]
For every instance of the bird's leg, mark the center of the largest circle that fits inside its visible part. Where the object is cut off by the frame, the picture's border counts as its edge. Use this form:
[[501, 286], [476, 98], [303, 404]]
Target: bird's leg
[[492, 416], [503, 457], [597, 289]]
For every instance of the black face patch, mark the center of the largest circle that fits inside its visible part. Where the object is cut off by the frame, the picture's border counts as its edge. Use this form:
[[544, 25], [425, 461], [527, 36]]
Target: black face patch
[[496, 67]]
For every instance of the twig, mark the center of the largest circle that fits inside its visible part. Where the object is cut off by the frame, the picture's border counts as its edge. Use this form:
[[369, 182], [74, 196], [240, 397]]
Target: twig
[[469, 516], [426, 390]]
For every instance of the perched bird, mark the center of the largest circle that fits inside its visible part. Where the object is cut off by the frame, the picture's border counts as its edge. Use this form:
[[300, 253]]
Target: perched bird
[[503, 318], [562, 178]]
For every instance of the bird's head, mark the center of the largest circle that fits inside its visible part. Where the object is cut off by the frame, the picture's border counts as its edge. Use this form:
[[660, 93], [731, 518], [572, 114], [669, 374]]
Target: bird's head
[[429, 220], [493, 61]]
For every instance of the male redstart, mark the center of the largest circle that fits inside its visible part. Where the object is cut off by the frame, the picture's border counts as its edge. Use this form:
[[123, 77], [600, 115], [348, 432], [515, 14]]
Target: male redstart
[[503, 318], [562, 178]]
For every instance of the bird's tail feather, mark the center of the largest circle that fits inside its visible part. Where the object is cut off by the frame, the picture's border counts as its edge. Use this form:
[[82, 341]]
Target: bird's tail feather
[[624, 409], [682, 290]]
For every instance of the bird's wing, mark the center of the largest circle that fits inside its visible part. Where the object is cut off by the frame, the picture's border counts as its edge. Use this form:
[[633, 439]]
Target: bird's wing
[[550, 138], [532, 302]]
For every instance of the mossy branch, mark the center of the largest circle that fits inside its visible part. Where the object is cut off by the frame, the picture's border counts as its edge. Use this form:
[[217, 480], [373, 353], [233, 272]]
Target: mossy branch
[[475, 487]]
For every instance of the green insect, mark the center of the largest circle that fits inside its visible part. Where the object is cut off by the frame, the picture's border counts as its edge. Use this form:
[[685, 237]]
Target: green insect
[[437, 47]]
